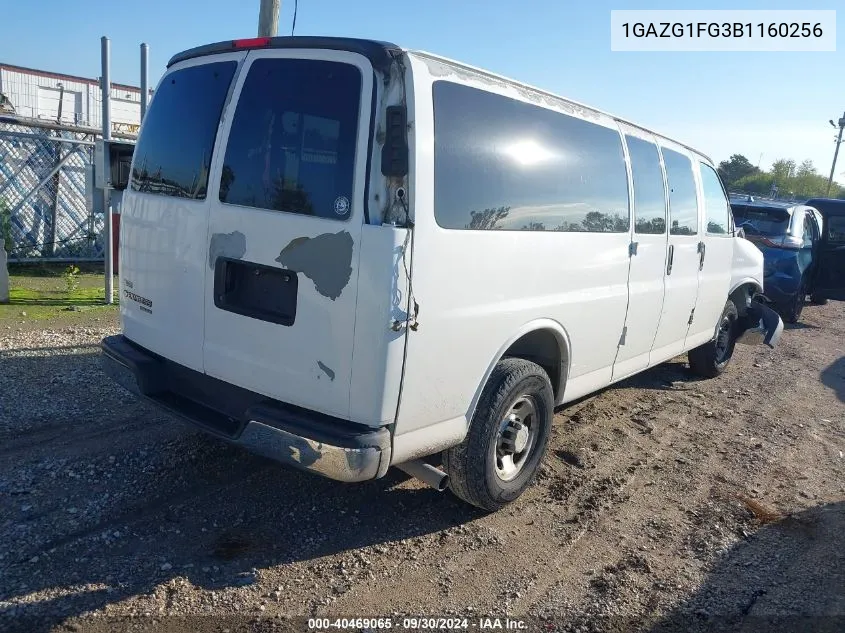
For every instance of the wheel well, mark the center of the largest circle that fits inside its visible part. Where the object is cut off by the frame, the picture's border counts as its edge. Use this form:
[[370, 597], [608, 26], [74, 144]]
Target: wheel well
[[742, 296], [544, 348]]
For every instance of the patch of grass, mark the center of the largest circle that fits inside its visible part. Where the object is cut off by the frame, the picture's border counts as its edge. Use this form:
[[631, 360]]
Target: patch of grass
[[46, 298]]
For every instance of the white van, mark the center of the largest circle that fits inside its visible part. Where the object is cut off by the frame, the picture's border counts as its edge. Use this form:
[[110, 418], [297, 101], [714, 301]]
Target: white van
[[347, 256]]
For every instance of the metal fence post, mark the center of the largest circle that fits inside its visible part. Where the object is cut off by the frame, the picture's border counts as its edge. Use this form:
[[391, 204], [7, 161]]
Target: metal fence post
[[145, 79], [107, 229], [4, 274]]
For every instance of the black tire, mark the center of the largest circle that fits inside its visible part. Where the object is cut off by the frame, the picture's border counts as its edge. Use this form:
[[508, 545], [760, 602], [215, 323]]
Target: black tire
[[474, 466], [791, 311], [818, 300], [711, 359]]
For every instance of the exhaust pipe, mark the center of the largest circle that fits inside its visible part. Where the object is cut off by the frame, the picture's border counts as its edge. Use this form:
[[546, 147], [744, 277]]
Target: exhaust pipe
[[426, 473]]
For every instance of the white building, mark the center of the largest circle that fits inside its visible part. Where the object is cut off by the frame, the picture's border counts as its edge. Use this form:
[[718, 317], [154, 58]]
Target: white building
[[38, 94]]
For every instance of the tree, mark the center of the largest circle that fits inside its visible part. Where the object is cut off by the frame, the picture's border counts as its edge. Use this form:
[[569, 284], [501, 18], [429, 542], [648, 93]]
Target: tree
[[735, 168], [801, 181], [783, 170], [487, 219], [759, 184]]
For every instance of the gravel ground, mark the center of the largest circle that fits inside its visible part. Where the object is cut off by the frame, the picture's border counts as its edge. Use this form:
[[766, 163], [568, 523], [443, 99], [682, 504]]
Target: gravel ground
[[665, 504]]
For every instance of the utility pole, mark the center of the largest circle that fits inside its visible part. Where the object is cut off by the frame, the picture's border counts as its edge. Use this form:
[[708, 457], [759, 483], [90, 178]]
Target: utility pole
[[268, 18], [841, 126]]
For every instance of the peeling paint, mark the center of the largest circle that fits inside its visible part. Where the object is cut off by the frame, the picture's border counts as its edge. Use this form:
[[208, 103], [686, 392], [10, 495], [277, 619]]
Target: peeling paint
[[441, 69], [326, 370], [232, 245], [326, 260]]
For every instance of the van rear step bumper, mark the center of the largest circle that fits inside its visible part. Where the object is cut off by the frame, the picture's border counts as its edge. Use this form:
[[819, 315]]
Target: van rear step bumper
[[307, 440]]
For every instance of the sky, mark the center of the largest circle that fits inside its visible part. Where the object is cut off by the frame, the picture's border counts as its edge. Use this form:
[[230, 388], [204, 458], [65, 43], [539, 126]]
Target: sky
[[763, 105]]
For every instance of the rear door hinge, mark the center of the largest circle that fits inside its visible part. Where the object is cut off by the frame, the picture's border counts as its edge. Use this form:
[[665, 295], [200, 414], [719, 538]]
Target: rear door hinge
[[691, 315], [632, 248], [624, 334]]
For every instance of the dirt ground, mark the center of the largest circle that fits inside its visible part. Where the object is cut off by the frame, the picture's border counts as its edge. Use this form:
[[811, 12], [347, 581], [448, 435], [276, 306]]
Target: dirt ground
[[665, 503]]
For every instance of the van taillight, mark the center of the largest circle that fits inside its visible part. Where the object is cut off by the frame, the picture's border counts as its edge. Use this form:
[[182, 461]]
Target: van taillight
[[252, 42]]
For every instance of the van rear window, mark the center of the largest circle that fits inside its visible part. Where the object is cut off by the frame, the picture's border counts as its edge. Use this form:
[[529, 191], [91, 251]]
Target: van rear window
[[293, 138], [173, 154]]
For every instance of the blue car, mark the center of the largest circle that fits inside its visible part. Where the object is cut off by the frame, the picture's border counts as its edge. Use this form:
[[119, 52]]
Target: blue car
[[789, 235]]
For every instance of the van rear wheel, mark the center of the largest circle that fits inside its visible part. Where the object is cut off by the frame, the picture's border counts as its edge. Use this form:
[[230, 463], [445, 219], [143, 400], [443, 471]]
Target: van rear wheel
[[507, 438], [711, 359]]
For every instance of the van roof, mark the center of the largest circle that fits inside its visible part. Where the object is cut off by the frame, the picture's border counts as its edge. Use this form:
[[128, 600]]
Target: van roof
[[381, 54]]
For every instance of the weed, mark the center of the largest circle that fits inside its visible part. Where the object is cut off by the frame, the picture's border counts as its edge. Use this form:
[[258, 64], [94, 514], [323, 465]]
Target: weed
[[71, 277]]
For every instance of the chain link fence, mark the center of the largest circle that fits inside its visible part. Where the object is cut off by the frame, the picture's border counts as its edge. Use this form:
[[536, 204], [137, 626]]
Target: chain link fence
[[46, 194]]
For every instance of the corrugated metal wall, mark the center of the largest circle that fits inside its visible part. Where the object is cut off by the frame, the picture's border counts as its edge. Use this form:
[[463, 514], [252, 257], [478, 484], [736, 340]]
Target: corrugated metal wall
[[36, 95]]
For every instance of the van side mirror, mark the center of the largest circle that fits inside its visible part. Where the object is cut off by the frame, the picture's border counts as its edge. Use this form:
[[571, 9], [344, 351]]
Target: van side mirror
[[739, 232], [394, 153]]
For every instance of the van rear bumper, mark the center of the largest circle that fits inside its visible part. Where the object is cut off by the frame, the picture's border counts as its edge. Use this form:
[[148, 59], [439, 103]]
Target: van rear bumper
[[335, 448]]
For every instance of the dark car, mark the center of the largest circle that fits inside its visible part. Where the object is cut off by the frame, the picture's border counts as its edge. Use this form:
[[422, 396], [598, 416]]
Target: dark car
[[829, 274], [789, 236]]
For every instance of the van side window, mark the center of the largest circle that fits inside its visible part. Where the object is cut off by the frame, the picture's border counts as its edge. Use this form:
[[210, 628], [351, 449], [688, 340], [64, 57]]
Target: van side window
[[504, 164], [683, 202], [293, 138], [649, 191], [716, 206], [173, 155]]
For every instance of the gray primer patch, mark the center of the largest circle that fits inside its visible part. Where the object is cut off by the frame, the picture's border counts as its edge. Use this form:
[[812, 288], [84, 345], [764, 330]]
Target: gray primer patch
[[326, 370], [226, 245], [326, 260]]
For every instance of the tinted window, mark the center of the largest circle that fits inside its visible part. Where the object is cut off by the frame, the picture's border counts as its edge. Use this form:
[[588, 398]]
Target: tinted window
[[716, 206], [683, 205], [173, 154], [836, 228], [808, 236], [292, 144], [649, 192], [503, 164], [769, 221]]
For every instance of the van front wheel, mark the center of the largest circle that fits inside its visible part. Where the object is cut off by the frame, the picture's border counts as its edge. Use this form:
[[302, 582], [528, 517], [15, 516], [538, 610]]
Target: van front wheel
[[507, 438], [711, 359]]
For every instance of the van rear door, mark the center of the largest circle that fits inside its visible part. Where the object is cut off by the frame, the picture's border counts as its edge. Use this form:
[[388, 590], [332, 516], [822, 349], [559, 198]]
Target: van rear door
[[286, 208], [164, 219]]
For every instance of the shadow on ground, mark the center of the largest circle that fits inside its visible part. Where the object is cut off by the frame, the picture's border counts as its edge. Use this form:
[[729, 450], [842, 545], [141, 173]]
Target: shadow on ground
[[666, 376], [833, 377], [789, 576], [57, 301], [800, 326], [163, 502]]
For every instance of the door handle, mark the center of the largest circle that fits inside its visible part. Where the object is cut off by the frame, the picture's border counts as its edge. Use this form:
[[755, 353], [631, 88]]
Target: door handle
[[671, 257], [701, 250]]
